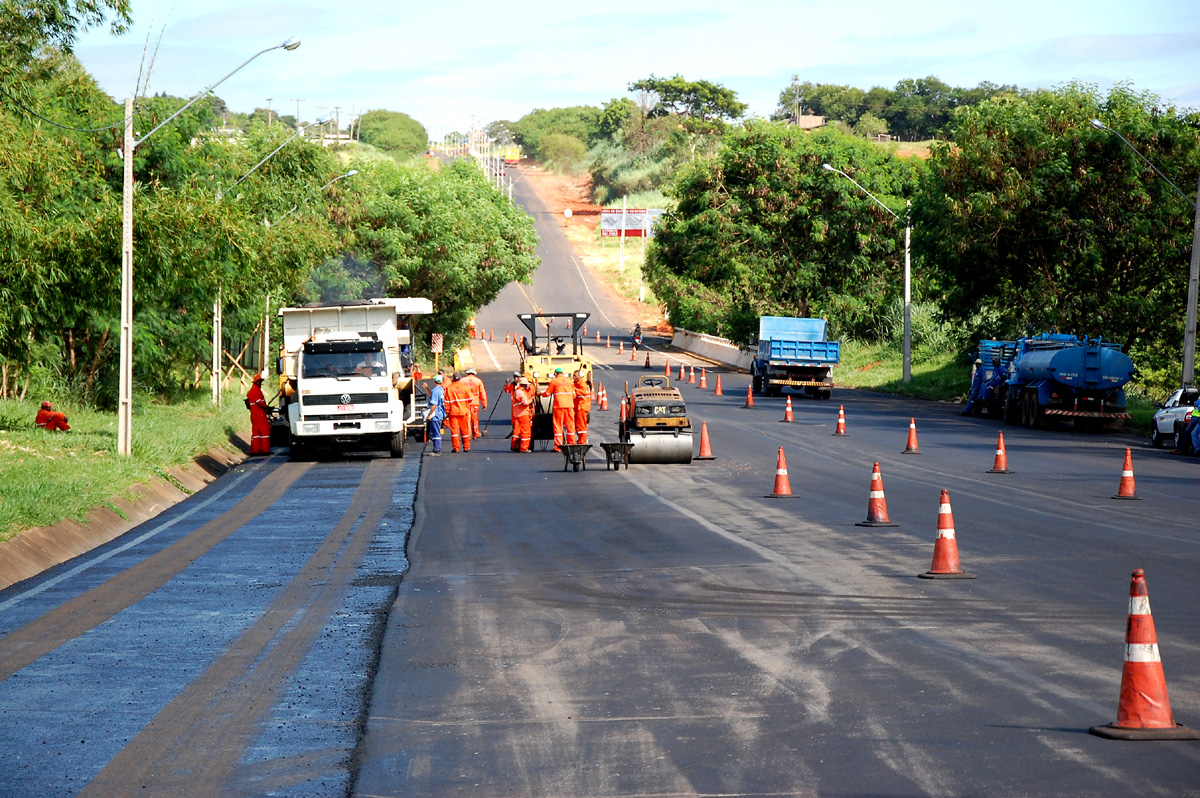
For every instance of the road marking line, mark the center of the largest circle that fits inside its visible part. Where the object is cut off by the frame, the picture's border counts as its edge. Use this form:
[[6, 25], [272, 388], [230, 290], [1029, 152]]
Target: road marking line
[[495, 362]]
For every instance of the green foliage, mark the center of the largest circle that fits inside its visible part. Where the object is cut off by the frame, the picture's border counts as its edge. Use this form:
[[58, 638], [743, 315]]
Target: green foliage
[[869, 125], [703, 104], [532, 131], [761, 229], [1036, 218], [563, 153], [914, 110], [394, 132]]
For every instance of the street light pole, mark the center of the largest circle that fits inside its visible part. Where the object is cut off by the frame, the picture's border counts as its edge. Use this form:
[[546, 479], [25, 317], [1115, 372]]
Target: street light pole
[[907, 356], [1188, 378], [125, 400]]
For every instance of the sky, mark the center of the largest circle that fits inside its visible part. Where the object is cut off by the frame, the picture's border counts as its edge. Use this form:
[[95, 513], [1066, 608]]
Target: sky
[[451, 65]]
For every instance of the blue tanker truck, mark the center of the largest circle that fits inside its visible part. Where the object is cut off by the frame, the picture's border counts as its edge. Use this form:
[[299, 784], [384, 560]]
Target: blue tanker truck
[[1051, 377]]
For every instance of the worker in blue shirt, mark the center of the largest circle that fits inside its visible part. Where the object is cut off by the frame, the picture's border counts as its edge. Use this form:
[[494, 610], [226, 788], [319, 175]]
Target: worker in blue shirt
[[976, 394], [436, 413]]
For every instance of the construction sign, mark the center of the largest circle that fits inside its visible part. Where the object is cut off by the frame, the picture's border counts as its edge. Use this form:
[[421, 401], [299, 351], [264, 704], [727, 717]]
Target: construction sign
[[636, 221], [435, 343]]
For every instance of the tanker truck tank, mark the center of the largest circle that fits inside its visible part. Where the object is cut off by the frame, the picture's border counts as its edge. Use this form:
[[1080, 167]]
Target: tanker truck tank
[[1091, 366]]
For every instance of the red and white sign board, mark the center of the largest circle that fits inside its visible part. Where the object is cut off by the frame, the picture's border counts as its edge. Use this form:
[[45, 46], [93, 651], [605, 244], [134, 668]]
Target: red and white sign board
[[435, 343], [637, 220]]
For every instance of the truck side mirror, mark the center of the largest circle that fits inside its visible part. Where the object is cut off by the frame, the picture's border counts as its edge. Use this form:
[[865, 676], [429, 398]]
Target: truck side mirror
[[278, 365]]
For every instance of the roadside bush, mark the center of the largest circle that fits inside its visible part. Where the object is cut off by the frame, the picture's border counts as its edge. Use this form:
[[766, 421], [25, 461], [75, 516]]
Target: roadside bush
[[564, 153]]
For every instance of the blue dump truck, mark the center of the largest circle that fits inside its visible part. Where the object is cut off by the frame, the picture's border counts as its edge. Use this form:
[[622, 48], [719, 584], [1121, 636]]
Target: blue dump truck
[[793, 353], [1051, 377]]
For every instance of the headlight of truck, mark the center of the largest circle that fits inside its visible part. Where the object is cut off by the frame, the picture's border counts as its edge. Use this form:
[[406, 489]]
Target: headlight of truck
[[382, 426], [312, 429]]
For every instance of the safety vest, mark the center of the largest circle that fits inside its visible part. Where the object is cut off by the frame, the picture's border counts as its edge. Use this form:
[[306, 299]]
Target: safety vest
[[583, 396], [522, 403], [458, 399], [563, 392]]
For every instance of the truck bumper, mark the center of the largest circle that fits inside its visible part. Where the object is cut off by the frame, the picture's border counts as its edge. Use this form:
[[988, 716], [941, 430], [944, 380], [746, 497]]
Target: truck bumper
[[1085, 414]]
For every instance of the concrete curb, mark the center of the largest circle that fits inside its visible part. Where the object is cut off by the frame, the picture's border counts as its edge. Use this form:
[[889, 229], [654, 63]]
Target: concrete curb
[[35, 550]]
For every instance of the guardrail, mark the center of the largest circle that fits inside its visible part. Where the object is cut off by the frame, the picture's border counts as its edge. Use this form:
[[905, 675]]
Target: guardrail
[[711, 347]]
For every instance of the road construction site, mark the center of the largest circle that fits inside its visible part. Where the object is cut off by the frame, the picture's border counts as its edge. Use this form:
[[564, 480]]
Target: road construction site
[[489, 623]]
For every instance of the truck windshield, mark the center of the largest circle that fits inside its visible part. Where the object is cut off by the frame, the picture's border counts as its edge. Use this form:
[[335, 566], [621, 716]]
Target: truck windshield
[[342, 364]]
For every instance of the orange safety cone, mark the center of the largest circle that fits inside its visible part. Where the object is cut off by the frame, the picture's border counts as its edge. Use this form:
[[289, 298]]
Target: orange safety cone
[[945, 548], [1127, 490], [647, 362], [705, 446], [783, 487], [1143, 710], [691, 375], [1001, 464], [608, 342], [681, 371], [633, 355], [749, 397], [620, 347], [507, 335], [492, 334], [911, 446], [877, 514], [604, 398], [667, 369], [585, 329], [841, 424], [703, 378], [597, 336], [717, 391], [621, 420], [787, 412]]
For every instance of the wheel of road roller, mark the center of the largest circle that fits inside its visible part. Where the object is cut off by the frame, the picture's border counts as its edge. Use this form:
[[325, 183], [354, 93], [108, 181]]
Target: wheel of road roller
[[661, 449]]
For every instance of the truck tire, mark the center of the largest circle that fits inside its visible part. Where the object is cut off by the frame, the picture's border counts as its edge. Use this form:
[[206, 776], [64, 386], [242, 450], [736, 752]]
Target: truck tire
[[757, 381], [299, 453], [396, 448], [1012, 410]]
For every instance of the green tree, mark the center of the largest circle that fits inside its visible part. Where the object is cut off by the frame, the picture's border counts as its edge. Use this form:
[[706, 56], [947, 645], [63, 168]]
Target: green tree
[[581, 122], [704, 107], [394, 132], [870, 125], [761, 228], [1035, 218], [563, 153]]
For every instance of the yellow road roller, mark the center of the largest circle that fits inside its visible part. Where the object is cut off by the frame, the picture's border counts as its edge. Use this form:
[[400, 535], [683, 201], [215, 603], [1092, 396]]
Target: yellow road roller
[[656, 423]]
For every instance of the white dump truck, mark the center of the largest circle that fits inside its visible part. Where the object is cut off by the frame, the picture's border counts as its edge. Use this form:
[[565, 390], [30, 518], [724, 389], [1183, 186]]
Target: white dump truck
[[345, 375]]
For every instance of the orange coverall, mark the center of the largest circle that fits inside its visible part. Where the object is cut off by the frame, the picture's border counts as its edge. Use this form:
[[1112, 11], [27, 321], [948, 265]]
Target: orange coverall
[[478, 401], [458, 415], [563, 409], [522, 418], [583, 409], [260, 424], [52, 420]]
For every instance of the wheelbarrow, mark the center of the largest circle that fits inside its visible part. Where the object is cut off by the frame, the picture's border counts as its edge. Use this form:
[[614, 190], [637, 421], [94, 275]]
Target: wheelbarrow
[[575, 455], [615, 454]]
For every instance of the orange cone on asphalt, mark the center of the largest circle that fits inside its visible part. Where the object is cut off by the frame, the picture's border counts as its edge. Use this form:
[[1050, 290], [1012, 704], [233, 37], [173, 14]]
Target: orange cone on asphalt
[[1127, 490], [703, 378], [633, 355], [945, 548], [911, 446], [492, 334], [603, 398], [841, 425], [749, 397], [647, 361], [705, 446], [787, 412], [608, 342], [597, 336], [667, 369], [585, 329], [691, 375], [877, 514], [717, 391], [681, 371], [783, 487], [620, 347], [1001, 464], [1143, 710]]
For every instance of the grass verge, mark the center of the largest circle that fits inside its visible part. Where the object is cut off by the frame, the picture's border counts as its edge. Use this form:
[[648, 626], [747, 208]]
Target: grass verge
[[46, 477]]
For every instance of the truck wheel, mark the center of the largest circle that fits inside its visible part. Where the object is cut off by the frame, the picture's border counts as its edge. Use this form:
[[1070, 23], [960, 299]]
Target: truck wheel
[[757, 384], [1011, 412], [397, 444], [299, 452], [825, 394], [1036, 417]]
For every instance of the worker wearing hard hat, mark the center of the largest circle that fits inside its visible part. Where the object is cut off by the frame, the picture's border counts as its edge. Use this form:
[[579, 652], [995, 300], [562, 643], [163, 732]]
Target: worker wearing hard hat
[[562, 393], [522, 398], [458, 412], [260, 423], [976, 394], [436, 413], [478, 398], [583, 407]]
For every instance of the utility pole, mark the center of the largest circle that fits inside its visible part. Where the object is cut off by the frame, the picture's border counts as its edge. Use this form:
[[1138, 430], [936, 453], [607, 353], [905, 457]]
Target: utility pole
[[321, 109], [269, 111], [337, 129], [297, 102]]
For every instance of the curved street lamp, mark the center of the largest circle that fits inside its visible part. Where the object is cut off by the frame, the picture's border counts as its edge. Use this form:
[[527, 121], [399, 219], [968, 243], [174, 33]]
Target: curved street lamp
[[1188, 378], [907, 358], [292, 210], [125, 400]]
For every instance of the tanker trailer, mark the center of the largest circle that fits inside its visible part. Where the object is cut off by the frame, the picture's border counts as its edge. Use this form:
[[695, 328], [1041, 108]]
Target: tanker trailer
[[1056, 377]]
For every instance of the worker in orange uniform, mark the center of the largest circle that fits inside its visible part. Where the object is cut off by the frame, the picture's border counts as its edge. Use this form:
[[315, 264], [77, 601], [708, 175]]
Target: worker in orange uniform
[[458, 413], [562, 391], [478, 399], [522, 397], [583, 407], [260, 424], [50, 419]]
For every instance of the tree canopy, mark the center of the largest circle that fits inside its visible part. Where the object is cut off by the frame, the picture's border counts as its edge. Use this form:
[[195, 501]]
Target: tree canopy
[[394, 132]]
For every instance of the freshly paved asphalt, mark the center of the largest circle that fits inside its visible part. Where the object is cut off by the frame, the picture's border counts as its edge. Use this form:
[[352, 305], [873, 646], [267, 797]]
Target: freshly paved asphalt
[[668, 630]]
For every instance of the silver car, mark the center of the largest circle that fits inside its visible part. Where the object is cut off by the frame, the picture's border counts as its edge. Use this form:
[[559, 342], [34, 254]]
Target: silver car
[[1172, 416]]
